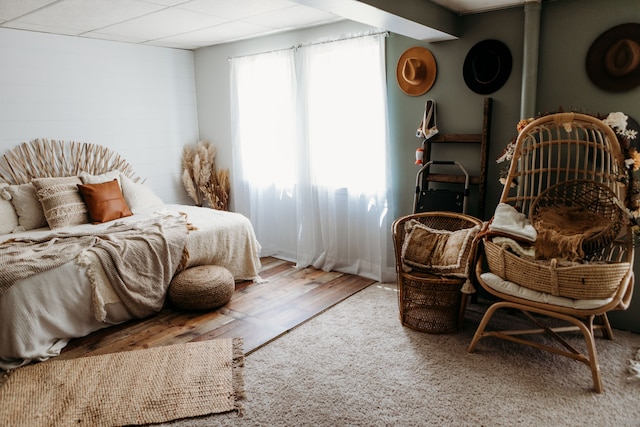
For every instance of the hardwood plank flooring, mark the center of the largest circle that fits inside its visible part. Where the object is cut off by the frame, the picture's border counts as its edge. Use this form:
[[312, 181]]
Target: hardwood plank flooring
[[258, 312]]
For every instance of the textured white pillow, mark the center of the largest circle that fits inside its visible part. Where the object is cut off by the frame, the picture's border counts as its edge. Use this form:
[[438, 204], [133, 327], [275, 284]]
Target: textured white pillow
[[139, 197], [28, 208], [8, 215], [87, 178], [61, 201]]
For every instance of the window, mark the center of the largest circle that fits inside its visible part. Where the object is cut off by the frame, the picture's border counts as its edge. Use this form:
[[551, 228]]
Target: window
[[310, 143]]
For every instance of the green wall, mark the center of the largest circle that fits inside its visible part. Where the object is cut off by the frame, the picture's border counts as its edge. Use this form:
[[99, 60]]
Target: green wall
[[563, 82], [567, 29], [459, 109]]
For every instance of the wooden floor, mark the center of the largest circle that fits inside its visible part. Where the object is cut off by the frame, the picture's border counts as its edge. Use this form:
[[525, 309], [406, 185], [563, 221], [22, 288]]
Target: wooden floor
[[258, 312]]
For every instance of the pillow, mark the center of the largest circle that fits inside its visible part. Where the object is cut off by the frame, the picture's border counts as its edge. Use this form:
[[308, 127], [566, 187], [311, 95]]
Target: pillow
[[27, 206], [61, 201], [8, 215], [139, 197], [87, 178], [104, 201], [438, 252]]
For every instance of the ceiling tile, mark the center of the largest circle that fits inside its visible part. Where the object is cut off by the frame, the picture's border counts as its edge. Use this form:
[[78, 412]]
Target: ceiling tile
[[162, 24], [234, 9], [86, 15], [291, 17], [42, 28], [11, 9], [235, 30], [167, 2]]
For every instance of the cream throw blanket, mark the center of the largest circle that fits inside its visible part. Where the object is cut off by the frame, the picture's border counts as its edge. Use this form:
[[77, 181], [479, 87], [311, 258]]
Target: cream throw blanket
[[139, 258]]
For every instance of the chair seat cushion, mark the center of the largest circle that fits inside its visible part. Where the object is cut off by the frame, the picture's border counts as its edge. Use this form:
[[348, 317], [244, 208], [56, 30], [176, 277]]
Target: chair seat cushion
[[513, 289], [203, 287]]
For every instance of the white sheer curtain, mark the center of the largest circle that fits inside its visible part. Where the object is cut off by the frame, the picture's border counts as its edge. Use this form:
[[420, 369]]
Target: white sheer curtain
[[263, 111], [310, 144]]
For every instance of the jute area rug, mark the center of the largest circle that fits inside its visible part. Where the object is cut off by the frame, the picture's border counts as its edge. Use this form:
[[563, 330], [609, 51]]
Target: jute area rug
[[134, 387]]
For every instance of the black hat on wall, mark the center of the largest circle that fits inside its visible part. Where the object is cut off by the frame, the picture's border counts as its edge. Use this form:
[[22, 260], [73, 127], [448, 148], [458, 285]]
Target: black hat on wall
[[613, 60], [487, 66]]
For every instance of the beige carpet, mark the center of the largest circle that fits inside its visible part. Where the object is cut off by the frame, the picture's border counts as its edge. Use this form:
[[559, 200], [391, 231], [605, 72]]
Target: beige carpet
[[355, 365], [134, 387]]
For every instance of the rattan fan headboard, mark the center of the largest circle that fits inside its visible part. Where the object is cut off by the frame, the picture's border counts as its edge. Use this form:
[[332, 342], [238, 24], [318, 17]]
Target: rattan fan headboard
[[50, 158]]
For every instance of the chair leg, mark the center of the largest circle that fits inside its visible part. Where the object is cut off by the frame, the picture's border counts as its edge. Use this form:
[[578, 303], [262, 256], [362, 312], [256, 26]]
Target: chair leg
[[591, 359], [483, 324], [607, 332]]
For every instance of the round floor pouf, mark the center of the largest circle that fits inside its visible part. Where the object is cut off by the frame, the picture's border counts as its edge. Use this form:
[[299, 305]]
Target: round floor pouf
[[204, 287]]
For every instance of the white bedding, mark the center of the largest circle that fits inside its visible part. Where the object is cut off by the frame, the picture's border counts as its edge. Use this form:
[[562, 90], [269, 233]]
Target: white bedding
[[39, 315]]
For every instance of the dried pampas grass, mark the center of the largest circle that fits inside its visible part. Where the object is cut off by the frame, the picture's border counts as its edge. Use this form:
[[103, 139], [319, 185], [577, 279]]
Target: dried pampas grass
[[203, 182]]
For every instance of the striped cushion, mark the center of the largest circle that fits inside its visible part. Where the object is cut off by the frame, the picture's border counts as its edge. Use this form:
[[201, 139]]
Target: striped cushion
[[61, 201]]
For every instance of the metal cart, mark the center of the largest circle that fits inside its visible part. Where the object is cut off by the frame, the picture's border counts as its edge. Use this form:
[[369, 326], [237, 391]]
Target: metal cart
[[428, 200]]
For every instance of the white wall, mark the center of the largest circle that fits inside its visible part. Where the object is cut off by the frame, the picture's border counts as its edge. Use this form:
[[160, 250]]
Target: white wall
[[138, 100]]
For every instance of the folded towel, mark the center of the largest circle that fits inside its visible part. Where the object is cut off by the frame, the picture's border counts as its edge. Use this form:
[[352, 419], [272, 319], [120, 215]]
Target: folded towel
[[523, 251], [507, 220]]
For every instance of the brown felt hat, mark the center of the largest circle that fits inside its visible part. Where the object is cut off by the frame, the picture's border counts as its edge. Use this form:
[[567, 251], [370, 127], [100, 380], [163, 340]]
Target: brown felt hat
[[416, 71], [613, 60]]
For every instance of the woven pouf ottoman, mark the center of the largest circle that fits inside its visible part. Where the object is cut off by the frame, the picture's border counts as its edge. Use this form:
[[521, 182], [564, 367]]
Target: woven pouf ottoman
[[203, 287]]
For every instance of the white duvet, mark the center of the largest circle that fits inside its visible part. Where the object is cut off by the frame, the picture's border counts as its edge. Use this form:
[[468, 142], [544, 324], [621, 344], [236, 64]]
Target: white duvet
[[39, 315]]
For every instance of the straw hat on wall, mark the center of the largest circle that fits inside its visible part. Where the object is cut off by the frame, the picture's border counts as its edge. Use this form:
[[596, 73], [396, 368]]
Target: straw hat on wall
[[416, 71]]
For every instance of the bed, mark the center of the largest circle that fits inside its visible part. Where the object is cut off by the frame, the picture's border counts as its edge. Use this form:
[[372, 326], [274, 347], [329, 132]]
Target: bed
[[69, 266]]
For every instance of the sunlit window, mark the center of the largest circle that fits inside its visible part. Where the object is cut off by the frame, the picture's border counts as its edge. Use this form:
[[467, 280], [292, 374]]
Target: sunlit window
[[343, 129], [265, 127], [309, 133], [346, 117]]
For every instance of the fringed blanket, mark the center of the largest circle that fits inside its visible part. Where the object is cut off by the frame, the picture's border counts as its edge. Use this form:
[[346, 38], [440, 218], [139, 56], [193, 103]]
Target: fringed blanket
[[139, 259], [562, 231]]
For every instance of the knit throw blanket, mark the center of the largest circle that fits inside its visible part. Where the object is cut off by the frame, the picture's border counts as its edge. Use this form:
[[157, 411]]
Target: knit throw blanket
[[139, 259]]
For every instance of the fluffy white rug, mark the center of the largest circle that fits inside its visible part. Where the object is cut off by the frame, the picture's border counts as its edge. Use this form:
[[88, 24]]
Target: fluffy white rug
[[356, 365]]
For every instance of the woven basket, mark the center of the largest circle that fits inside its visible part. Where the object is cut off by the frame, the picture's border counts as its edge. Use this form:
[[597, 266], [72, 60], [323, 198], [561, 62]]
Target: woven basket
[[430, 303], [578, 281], [583, 196]]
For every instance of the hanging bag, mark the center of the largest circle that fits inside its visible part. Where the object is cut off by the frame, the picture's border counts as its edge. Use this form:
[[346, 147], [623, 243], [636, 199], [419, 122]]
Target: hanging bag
[[428, 127]]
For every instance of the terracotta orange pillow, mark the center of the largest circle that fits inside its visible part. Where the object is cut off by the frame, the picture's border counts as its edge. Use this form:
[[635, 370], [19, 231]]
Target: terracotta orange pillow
[[104, 201]]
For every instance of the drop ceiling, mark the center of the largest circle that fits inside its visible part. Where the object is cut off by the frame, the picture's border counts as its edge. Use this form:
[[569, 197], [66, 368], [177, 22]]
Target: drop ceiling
[[183, 24]]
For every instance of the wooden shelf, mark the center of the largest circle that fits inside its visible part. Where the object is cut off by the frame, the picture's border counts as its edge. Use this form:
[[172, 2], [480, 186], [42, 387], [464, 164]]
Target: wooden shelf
[[482, 139], [454, 179], [465, 138]]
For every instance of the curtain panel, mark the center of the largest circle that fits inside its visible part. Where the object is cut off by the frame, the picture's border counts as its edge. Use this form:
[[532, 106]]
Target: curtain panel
[[310, 140]]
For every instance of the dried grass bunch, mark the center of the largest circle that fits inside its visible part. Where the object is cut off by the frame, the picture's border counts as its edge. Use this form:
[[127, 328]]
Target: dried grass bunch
[[204, 183]]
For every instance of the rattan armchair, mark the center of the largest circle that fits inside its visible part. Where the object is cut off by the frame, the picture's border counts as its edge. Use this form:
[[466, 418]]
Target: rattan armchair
[[575, 161], [433, 302]]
